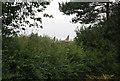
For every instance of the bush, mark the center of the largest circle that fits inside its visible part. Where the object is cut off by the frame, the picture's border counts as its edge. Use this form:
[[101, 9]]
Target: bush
[[37, 57]]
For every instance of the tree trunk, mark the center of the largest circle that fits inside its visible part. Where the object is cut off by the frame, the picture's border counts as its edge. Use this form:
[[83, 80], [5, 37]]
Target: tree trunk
[[107, 10]]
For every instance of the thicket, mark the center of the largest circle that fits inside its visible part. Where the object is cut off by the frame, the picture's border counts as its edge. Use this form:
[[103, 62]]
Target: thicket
[[39, 58], [94, 54], [103, 37]]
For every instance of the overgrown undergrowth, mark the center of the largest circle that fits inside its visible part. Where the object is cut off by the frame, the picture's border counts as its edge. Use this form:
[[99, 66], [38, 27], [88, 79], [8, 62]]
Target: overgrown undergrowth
[[37, 57]]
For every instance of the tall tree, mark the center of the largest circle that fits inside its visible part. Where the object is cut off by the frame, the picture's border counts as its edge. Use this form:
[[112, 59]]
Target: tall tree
[[86, 12], [105, 36], [14, 15]]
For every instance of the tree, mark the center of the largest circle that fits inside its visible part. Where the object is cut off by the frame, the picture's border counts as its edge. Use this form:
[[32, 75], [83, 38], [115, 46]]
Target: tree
[[107, 28], [85, 13], [15, 14], [104, 36]]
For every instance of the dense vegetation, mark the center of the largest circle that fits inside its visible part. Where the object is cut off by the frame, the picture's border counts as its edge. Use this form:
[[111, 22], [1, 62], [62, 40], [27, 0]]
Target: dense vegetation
[[37, 57], [94, 54]]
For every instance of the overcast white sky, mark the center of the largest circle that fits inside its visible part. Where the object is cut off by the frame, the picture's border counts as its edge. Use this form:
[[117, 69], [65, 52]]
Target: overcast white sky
[[60, 25]]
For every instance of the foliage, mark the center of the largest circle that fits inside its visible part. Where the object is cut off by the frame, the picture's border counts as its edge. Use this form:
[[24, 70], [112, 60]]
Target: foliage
[[37, 57], [16, 14], [85, 13], [92, 55], [103, 36]]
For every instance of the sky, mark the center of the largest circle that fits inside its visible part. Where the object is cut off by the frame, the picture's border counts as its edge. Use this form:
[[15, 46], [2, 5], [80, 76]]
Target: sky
[[59, 26]]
